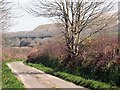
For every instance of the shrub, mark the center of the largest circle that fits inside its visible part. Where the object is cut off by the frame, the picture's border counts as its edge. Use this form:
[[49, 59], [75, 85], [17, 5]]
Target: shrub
[[54, 49], [98, 59]]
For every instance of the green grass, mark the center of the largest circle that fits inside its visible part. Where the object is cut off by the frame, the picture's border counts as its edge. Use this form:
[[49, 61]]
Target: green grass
[[94, 85], [0, 76], [8, 78]]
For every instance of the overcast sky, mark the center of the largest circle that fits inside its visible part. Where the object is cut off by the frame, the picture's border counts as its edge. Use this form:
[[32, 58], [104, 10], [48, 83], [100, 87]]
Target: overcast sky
[[25, 21]]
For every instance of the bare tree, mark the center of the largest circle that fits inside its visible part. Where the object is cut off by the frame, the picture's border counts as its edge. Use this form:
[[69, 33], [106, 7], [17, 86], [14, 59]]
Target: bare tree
[[5, 19], [5, 15], [77, 16]]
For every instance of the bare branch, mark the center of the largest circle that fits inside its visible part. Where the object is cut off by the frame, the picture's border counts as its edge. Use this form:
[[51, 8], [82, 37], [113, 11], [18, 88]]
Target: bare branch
[[76, 16]]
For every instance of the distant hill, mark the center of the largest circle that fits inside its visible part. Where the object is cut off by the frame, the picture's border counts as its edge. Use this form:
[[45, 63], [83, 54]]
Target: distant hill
[[55, 29], [45, 32], [42, 30], [48, 27]]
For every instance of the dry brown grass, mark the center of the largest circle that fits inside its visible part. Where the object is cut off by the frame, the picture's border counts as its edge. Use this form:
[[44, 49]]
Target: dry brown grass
[[15, 52]]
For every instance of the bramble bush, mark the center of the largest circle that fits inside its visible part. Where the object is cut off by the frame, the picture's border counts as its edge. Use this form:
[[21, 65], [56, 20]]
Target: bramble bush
[[54, 49], [98, 59]]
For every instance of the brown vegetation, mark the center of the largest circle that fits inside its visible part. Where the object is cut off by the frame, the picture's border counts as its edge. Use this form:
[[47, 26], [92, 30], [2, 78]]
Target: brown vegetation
[[54, 48], [99, 58], [15, 52], [99, 49]]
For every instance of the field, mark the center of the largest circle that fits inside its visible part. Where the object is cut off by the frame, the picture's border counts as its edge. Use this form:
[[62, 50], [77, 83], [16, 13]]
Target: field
[[15, 52]]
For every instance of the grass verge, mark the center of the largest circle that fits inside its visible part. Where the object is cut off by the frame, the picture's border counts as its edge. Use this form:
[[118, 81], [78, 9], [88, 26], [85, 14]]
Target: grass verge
[[8, 78], [91, 84]]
